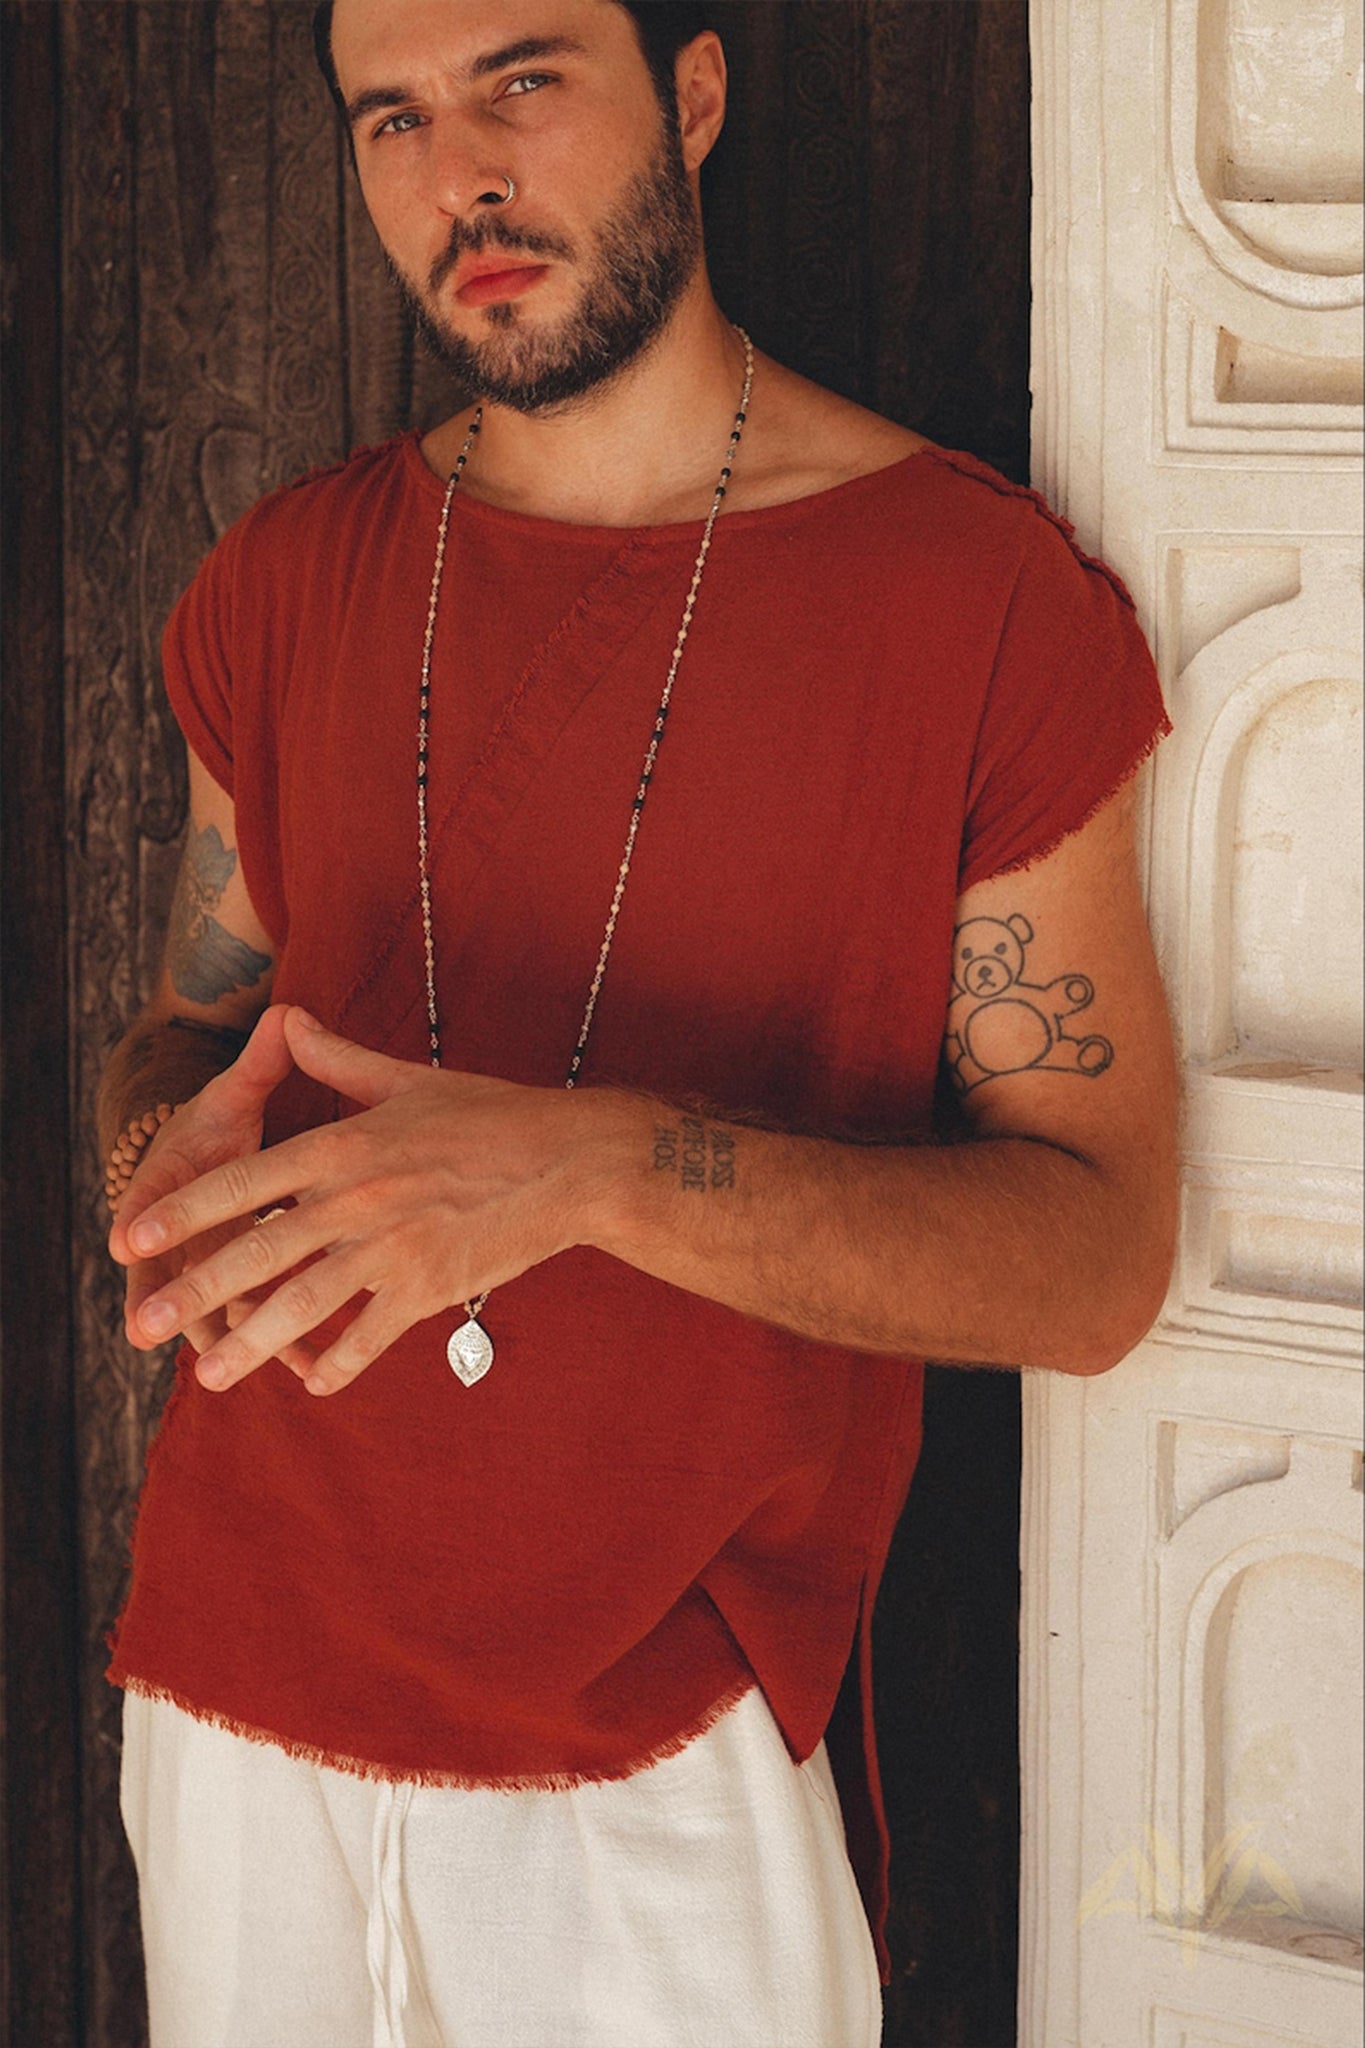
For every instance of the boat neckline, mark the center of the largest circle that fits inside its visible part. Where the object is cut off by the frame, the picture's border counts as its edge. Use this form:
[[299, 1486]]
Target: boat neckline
[[787, 509]]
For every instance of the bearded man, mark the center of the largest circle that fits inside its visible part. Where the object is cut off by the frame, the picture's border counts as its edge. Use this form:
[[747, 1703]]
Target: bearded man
[[611, 812]]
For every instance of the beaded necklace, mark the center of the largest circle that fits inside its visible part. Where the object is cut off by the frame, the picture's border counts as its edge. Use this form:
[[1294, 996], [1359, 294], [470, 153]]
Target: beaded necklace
[[470, 1349]]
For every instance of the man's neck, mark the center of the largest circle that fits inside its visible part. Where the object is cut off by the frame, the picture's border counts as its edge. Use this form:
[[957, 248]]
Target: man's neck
[[644, 450]]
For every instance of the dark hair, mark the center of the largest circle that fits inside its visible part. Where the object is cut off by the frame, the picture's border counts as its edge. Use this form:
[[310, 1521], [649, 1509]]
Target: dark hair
[[662, 27]]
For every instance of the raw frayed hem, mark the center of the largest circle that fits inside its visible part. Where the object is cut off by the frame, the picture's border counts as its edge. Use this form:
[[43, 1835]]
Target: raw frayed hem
[[451, 1781], [1120, 781]]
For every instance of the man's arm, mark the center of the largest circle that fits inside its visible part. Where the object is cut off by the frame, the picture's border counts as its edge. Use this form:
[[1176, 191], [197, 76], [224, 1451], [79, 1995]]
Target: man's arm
[[213, 986], [216, 969], [1045, 1240]]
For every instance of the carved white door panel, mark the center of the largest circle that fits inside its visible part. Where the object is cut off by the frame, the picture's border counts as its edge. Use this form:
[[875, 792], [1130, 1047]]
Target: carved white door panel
[[1192, 1541]]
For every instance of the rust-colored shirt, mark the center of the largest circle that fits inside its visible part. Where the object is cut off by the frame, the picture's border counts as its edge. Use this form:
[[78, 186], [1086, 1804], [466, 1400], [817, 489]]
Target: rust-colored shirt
[[892, 689]]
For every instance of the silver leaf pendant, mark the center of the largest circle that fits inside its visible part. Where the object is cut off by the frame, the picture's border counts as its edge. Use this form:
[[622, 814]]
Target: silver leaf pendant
[[470, 1352]]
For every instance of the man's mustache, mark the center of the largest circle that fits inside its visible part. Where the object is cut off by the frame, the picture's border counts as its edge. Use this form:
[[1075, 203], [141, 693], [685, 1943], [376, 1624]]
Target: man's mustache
[[493, 234]]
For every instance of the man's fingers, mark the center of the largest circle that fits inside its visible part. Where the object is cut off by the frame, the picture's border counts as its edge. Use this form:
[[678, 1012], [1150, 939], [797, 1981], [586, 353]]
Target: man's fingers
[[282, 1320], [144, 1279], [353, 1070], [300, 1358], [169, 1167], [203, 1336], [376, 1327], [228, 1194], [231, 1270], [232, 1103], [159, 1174], [264, 1061]]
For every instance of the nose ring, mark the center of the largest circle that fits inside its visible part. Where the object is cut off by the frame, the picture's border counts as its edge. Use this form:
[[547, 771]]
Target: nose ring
[[500, 198]]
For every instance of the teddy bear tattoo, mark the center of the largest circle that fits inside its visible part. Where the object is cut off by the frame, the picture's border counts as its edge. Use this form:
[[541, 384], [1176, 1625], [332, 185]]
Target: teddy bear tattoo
[[998, 1023]]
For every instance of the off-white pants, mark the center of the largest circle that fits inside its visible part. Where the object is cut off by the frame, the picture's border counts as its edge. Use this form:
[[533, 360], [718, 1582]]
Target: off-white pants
[[706, 1902]]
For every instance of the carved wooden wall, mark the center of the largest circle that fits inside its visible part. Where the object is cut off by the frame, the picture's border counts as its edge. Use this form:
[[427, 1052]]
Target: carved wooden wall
[[1193, 1670], [225, 323]]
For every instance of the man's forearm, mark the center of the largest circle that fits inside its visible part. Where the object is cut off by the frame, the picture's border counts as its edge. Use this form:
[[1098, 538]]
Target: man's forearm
[[1009, 1250], [1003, 1251], [159, 1059]]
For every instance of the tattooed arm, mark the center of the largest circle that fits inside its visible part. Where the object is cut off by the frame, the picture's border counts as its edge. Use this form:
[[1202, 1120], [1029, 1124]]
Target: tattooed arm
[[214, 982], [189, 1048], [1044, 1240]]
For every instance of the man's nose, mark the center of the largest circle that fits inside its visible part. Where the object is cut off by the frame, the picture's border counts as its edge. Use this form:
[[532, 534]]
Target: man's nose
[[467, 170]]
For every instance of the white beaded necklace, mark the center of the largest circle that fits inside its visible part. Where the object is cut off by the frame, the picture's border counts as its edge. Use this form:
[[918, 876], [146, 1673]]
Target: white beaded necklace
[[470, 1349]]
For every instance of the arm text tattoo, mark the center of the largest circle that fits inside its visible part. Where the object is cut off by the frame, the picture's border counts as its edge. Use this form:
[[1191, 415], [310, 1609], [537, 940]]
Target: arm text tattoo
[[999, 1023], [700, 1156], [205, 961]]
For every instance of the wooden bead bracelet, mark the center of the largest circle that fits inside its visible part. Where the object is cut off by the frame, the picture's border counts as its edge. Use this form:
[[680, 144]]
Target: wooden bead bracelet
[[126, 1156]]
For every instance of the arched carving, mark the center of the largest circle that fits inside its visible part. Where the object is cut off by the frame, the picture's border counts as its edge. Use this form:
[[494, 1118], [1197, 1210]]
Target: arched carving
[[1285, 233], [1234, 681], [1309, 1513], [1271, 1172]]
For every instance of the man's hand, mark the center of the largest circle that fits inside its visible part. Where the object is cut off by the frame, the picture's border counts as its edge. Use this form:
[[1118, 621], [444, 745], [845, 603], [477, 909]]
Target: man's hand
[[1045, 1241], [444, 1186], [220, 1124]]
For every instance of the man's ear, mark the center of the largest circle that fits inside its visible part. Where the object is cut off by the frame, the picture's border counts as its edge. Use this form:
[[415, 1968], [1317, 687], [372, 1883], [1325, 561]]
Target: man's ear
[[701, 81]]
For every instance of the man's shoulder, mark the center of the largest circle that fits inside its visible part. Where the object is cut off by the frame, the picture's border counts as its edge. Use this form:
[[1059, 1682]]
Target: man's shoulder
[[817, 440], [329, 492], [375, 466], [304, 535], [959, 501], [811, 440]]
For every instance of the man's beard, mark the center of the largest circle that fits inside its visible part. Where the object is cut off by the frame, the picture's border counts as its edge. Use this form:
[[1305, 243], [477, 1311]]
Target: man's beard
[[647, 252]]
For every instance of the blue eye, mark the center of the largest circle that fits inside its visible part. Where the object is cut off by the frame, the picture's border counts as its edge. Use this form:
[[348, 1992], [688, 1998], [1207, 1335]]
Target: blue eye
[[527, 81], [399, 124]]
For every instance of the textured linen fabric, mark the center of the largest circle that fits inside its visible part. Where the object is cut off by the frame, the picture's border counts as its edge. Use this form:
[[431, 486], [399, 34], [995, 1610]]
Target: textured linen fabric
[[891, 689], [706, 1902]]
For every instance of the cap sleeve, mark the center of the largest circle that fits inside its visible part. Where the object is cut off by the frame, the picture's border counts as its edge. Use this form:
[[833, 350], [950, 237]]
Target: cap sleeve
[[195, 661], [1072, 709]]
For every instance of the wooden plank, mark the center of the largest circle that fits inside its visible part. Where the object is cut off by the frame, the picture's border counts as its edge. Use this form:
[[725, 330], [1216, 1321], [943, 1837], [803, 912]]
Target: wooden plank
[[40, 1996], [107, 444], [305, 408]]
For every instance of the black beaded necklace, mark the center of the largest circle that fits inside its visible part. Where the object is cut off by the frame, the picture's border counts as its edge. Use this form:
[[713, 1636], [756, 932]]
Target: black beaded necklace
[[470, 1349]]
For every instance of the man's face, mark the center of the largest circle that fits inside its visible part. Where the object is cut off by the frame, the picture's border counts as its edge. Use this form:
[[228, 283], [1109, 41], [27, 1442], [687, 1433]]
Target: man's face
[[533, 304]]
